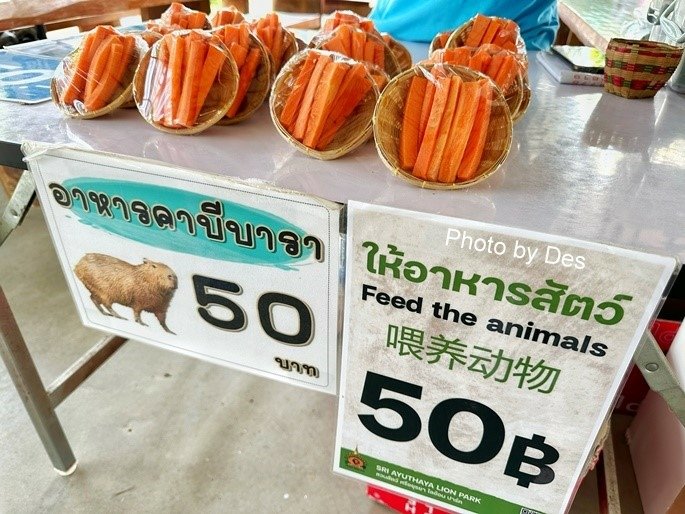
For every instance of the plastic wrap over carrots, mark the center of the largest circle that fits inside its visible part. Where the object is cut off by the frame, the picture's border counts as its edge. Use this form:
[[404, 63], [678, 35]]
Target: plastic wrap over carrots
[[187, 82], [502, 66], [484, 30], [442, 126], [338, 18], [181, 17], [359, 45], [96, 78], [323, 103], [280, 43], [227, 16], [254, 68]]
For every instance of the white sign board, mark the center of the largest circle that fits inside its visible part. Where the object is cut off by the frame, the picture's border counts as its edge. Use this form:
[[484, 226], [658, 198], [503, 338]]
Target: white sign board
[[479, 362], [238, 274]]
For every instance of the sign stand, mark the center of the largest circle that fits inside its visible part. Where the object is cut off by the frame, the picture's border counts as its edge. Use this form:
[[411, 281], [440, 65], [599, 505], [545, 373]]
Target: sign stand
[[40, 403]]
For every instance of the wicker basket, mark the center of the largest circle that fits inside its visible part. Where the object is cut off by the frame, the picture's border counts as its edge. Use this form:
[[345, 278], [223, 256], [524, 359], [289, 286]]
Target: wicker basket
[[638, 69], [400, 52], [356, 130], [259, 87], [123, 96], [218, 101], [387, 124]]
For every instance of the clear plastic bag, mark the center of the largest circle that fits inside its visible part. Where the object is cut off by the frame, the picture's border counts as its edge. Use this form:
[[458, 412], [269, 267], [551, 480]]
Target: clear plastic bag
[[322, 103], [502, 66], [359, 45], [186, 82], [180, 17], [338, 18], [96, 78], [442, 126], [481, 30], [278, 40], [227, 16], [254, 68]]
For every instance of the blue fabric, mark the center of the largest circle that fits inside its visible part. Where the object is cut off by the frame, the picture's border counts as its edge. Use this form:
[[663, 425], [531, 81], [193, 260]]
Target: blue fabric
[[420, 20]]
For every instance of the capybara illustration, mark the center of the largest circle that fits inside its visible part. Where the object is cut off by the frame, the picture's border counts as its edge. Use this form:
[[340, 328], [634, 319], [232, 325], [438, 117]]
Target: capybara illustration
[[149, 286]]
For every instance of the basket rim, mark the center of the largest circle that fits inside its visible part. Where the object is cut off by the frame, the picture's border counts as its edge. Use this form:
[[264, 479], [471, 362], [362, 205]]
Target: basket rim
[[616, 41]]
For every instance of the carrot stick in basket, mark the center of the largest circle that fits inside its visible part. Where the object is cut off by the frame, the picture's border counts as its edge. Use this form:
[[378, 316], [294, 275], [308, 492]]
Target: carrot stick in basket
[[426, 108], [213, 63], [277, 50], [174, 78], [239, 53], [409, 135], [292, 104], [247, 73], [97, 67], [476, 144], [353, 90], [506, 74], [369, 52], [492, 31], [77, 85], [459, 132], [442, 91], [480, 61], [326, 92], [186, 114], [495, 65], [436, 157], [108, 82], [379, 55], [478, 29], [308, 99], [358, 42]]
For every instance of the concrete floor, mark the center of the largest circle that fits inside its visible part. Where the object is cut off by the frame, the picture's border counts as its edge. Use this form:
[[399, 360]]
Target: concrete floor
[[154, 431]]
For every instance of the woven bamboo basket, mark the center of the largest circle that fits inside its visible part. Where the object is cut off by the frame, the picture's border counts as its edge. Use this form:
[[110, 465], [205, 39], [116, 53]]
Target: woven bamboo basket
[[387, 124], [355, 131], [400, 52], [218, 101], [437, 44], [392, 67], [638, 69], [120, 99], [259, 87]]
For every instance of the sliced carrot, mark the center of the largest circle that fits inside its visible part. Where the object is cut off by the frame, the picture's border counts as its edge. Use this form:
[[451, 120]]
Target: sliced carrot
[[492, 31], [358, 42], [409, 135], [506, 34], [230, 34], [478, 29], [509, 45], [507, 73], [494, 66], [239, 54], [423, 159], [479, 132], [369, 52], [335, 45], [266, 34], [480, 61], [326, 92], [426, 108], [345, 35], [244, 35], [436, 158], [292, 103], [368, 26], [462, 123], [459, 56], [352, 92], [379, 55], [308, 99], [174, 78], [443, 39], [77, 84], [277, 50], [107, 83], [97, 67], [196, 20], [213, 63], [195, 51], [247, 73]]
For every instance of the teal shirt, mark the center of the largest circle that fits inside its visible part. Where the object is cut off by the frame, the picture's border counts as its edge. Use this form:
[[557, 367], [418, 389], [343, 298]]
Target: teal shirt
[[420, 20]]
